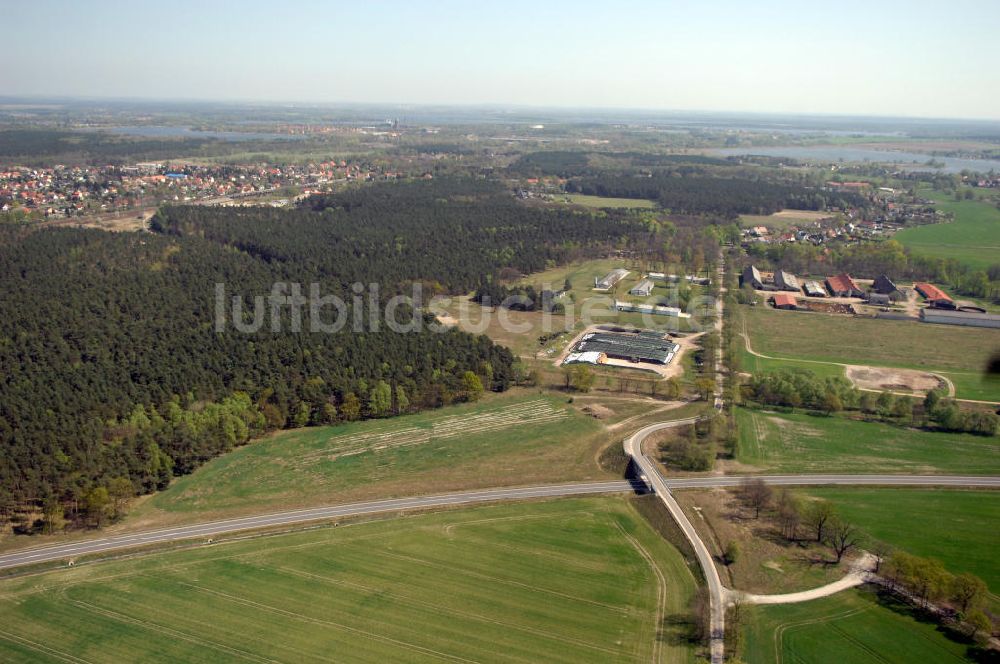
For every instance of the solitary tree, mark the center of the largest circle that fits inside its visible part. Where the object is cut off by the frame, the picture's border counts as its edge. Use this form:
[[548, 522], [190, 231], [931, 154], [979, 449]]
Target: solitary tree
[[842, 537]]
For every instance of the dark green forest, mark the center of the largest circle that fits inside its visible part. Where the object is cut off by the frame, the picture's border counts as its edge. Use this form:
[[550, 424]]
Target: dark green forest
[[113, 377]]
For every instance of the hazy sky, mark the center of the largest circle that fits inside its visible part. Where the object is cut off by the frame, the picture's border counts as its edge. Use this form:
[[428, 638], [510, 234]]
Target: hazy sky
[[913, 58]]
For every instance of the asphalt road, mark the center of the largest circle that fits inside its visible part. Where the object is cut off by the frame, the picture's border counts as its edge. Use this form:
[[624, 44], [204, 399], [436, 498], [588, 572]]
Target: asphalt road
[[71, 550]]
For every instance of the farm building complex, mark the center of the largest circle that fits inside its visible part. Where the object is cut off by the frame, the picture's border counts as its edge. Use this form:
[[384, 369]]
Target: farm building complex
[[813, 289], [935, 297], [786, 281], [638, 346], [610, 279], [883, 285], [785, 301], [968, 318], [751, 277], [843, 285]]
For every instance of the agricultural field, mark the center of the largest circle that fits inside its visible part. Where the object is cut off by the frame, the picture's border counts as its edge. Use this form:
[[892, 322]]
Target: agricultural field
[[784, 219], [504, 440], [799, 443], [952, 526], [558, 581], [857, 625], [959, 353], [605, 202], [973, 238]]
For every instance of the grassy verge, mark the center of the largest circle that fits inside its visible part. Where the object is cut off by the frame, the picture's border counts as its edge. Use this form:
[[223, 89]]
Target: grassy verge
[[799, 443]]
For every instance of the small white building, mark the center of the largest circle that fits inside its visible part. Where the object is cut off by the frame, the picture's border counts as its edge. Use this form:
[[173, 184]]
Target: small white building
[[610, 279]]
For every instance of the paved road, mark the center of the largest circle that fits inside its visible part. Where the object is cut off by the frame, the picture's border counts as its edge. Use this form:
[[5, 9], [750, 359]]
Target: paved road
[[717, 593], [71, 550]]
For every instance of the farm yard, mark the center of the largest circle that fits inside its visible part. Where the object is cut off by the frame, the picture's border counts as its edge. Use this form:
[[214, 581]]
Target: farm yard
[[557, 581], [857, 625], [798, 443], [504, 440], [959, 353], [784, 219]]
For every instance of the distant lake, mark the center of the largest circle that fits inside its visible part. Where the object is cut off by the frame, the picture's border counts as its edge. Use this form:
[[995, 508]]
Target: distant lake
[[153, 131], [911, 161]]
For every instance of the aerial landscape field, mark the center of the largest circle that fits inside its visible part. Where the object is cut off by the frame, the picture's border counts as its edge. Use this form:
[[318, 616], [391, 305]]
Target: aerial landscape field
[[565, 332]]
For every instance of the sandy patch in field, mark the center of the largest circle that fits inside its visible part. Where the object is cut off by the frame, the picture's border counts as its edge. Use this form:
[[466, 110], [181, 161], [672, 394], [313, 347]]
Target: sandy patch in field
[[897, 380]]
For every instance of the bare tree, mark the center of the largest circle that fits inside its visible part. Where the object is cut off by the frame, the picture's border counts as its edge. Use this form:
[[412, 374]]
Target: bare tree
[[757, 494], [818, 518], [842, 537], [789, 515], [881, 552]]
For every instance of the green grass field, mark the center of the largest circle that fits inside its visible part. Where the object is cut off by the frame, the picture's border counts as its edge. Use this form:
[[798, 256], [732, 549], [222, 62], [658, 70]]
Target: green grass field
[[603, 202], [956, 527], [505, 440], [582, 580], [852, 627], [960, 353], [798, 443], [973, 238]]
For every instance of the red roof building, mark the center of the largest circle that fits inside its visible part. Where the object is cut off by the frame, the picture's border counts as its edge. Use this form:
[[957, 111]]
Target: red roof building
[[843, 285], [935, 296], [784, 301]]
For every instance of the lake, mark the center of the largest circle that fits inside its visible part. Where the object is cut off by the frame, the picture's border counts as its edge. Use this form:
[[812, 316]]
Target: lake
[[154, 131], [912, 161]]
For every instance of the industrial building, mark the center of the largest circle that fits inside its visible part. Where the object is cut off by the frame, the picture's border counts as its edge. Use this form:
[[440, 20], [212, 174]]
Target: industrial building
[[751, 277], [671, 278], [784, 301], [643, 289], [786, 281], [639, 346], [813, 289], [968, 318], [843, 285], [935, 297], [610, 279], [651, 309]]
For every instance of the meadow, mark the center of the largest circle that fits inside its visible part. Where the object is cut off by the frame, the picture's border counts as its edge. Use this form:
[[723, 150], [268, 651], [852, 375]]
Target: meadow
[[973, 238], [515, 439], [853, 627], [582, 580], [605, 202], [952, 526], [799, 443], [959, 353]]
